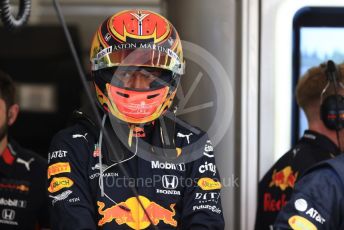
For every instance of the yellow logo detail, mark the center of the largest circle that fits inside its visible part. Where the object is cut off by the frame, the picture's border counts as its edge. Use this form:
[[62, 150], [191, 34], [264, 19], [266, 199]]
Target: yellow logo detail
[[208, 184], [301, 223], [59, 183], [179, 151], [62, 167]]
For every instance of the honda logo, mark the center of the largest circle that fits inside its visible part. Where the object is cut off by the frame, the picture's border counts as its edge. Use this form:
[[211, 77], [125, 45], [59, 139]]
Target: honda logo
[[8, 214], [169, 181]]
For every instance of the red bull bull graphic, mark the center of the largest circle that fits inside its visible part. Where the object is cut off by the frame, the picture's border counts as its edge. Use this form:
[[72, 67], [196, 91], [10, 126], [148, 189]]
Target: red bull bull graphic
[[131, 213], [120, 213], [284, 179]]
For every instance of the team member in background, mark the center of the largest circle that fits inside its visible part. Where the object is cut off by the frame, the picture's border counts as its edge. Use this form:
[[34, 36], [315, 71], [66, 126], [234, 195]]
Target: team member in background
[[317, 201], [23, 196], [317, 144], [137, 61]]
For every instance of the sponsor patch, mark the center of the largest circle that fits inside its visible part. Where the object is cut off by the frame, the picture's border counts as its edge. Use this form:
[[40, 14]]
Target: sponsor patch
[[170, 181], [8, 217], [301, 205], [187, 136], [207, 197], [74, 200], [25, 163], [301, 223], [314, 214], [110, 174], [212, 208], [60, 196], [14, 187], [168, 166], [284, 178], [208, 150], [57, 168], [59, 183], [168, 192], [274, 205], [74, 136], [13, 202], [11, 185], [211, 167], [208, 184], [57, 154]]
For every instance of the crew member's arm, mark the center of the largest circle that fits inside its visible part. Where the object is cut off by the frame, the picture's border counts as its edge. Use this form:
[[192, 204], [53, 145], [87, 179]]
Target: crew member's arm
[[317, 202], [68, 188], [202, 203]]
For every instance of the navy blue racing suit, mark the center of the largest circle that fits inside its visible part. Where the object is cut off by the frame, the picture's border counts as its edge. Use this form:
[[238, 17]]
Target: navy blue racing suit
[[183, 193], [276, 187], [318, 199]]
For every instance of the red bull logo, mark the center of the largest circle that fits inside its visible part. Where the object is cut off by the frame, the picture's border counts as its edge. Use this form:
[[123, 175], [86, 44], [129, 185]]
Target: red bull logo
[[18, 187], [284, 178], [131, 213]]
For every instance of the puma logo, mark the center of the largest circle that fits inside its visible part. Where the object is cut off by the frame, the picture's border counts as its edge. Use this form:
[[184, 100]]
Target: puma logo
[[185, 135], [25, 163], [80, 136]]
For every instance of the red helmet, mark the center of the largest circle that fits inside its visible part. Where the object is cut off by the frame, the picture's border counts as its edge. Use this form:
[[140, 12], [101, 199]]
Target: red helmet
[[130, 42]]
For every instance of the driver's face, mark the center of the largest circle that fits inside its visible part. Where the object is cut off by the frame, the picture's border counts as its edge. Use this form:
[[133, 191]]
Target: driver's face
[[137, 79], [3, 119]]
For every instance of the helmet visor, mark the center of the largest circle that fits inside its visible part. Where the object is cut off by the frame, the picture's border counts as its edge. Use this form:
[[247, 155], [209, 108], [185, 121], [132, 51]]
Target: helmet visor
[[157, 57], [137, 78]]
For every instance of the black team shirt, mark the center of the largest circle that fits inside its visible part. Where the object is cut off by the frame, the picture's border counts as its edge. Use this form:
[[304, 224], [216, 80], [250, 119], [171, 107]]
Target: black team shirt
[[23, 196]]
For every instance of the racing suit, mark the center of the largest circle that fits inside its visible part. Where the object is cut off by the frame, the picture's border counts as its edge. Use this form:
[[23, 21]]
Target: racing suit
[[276, 187], [317, 201], [23, 196], [179, 194]]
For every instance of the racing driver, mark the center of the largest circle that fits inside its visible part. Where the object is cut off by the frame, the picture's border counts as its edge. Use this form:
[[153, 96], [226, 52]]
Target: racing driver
[[140, 167]]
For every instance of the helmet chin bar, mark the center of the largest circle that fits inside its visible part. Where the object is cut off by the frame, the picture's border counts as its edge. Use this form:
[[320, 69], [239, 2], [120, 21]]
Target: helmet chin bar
[[135, 107]]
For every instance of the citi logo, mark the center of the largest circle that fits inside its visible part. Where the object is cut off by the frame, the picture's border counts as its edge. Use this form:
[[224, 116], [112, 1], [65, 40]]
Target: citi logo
[[207, 167], [169, 166]]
